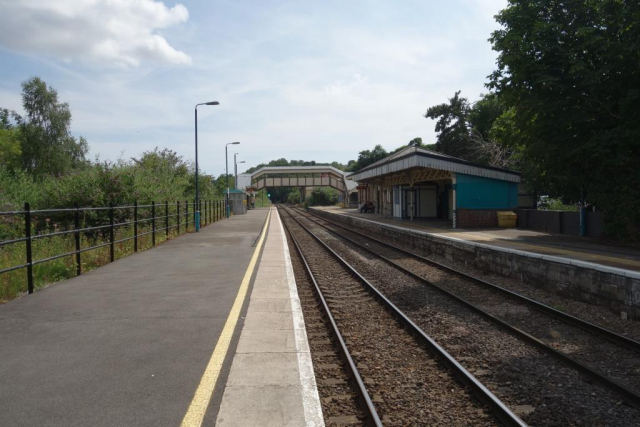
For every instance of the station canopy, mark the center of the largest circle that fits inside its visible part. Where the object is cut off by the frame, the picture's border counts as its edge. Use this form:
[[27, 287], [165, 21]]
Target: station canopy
[[427, 165]]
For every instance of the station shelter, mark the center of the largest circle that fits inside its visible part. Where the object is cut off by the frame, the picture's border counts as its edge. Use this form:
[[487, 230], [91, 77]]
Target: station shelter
[[239, 201], [419, 183]]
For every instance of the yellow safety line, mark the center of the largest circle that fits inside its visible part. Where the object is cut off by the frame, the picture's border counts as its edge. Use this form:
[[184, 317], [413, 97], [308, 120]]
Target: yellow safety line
[[198, 407]]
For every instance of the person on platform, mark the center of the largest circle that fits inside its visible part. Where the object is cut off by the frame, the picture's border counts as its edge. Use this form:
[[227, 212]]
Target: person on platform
[[367, 208]]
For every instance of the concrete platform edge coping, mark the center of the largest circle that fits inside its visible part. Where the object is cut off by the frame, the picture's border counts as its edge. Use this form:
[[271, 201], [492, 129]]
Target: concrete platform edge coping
[[310, 396], [577, 263]]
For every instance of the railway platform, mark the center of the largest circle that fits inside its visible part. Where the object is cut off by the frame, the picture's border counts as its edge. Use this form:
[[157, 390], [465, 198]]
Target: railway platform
[[151, 338], [560, 246]]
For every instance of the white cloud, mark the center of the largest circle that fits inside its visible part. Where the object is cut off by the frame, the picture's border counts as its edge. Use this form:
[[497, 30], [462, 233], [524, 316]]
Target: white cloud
[[120, 33]]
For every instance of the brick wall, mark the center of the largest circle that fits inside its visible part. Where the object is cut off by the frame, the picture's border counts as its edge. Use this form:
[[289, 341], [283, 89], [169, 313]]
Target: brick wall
[[474, 218], [559, 222], [616, 289]]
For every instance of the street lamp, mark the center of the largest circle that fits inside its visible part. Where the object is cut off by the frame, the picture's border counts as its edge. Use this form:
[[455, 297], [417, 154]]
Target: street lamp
[[235, 170], [196, 207], [226, 169]]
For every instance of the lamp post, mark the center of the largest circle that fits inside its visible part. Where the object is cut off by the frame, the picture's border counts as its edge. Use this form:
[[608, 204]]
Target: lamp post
[[226, 169], [195, 207]]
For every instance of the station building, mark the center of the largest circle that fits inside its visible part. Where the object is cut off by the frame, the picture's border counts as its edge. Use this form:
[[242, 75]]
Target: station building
[[419, 183]]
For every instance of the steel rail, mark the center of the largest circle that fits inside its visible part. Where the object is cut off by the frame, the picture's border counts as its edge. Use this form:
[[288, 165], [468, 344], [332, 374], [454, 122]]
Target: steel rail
[[500, 410], [363, 396], [628, 394], [576, 321]]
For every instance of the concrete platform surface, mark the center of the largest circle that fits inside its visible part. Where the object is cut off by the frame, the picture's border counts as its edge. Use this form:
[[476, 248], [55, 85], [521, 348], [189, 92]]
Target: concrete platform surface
[[126, 344], [562, 246], [271, 382]]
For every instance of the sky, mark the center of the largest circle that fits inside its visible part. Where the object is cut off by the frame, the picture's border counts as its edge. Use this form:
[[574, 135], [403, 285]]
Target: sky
[[302, 80]]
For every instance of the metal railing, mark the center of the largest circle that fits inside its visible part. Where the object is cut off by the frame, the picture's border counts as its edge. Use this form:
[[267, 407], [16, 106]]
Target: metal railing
[[176, 216]]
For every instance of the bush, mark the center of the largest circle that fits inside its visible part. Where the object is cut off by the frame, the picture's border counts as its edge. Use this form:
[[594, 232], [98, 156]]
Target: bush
[[323, 197], [293, 198]]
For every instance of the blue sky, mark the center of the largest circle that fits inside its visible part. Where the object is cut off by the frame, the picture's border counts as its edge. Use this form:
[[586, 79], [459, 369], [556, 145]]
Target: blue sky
[[295, 79]]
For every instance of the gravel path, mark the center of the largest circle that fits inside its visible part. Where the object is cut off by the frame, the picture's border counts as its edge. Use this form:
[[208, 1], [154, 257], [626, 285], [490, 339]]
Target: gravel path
[[407, 384], [535, 385]]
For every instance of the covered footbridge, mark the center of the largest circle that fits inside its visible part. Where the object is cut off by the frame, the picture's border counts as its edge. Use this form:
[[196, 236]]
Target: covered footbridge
[[303, 177]]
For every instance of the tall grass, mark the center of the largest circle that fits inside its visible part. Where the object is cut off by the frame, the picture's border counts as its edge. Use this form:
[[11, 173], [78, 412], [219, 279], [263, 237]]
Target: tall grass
[[14, 283]]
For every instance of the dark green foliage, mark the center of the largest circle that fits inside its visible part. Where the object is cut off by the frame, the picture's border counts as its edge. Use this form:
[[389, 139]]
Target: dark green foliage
[[46, 144], [367, 157], [323, 197], [157, 175], [294, 197], [570, 72], [452, 127], [467, 131]]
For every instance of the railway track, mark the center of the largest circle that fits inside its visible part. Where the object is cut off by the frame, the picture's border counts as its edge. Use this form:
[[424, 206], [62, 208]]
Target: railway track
[[402, 376], [582, 399], [607, 357], [344, 401]]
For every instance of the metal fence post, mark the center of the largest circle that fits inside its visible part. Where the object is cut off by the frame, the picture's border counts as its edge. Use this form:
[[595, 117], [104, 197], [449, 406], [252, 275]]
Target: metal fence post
[[135, 226], [206, 212], [76, 222], [200, 209], [178, 216], [111, 234], [166, 219], [27, 229], [195, 211], [186, 216], [153, 223]]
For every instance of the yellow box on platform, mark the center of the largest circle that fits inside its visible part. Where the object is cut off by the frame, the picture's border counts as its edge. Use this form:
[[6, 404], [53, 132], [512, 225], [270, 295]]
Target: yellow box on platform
[[507, 219]]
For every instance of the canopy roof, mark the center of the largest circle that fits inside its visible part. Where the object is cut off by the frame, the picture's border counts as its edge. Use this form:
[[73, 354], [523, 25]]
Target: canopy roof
[[413, 157]]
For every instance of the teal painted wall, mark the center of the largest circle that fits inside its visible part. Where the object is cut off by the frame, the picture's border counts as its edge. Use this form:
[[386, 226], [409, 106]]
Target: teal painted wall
[[475, 192]]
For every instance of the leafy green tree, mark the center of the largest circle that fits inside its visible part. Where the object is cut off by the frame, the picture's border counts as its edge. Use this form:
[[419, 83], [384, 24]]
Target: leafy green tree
[[367, 157], [46, 143], [484, 113], [416, 142], [323, 196], [9, 141], [570, 72], [451, 126]]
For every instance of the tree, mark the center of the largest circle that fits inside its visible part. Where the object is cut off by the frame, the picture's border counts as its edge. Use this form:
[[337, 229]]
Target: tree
[[451, 126], [46, 143], [416, 142], [367, 157], [323, 197], [570, 72], [9, 141]]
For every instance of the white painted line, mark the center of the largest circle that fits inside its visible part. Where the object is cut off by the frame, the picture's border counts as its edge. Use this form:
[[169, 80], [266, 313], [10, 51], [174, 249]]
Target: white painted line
[[310, 398]]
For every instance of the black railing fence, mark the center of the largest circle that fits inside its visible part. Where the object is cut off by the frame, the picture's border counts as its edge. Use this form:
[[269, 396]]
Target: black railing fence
[[100, 227]]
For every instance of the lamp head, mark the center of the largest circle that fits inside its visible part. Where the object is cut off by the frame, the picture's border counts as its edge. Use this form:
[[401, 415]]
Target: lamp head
[[212, 103], [235, 143]]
